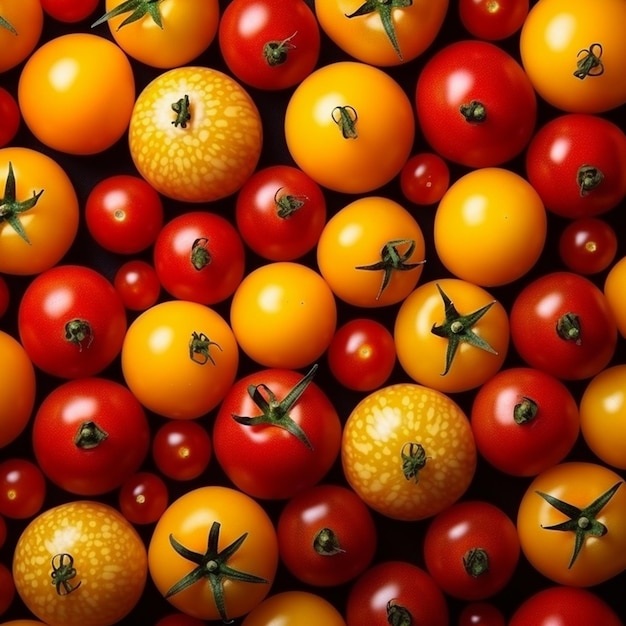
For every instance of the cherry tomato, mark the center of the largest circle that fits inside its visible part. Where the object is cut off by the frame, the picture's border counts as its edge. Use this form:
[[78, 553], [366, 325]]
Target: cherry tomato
[[3, 531], [137, 284], [143, 497], [20, 30], [613, 291], [481, 614], [5, 297], [22, 488], [70, 11], [424, 178], [10, 117], [7, 588], [588, 245], [493, 21]]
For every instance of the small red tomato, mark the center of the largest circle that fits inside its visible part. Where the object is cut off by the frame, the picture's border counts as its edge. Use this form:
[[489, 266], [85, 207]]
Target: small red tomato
[[10, 117], [481, 614], [7, 589], [22, 488], [5, 296], [143, 497], [70, 11], [137, 284], [493, 19], [424, 178], [588, 245]]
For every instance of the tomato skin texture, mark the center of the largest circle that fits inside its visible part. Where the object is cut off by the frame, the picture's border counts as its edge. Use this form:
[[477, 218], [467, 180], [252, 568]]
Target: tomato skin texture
[[534, 445], [385, 127], [499, 244], [390, 424], [400, 584], [27, 20], [99, 73], [69, 11], [143, 497], [424, 178], [51, 225], [22, 488], [481, 614], [88, 465], [493, 21], [137, 284], [99, 539], [467, 72], [465, 527], [588, 245], [10, 116], [155, 134], [550, 551], [568, 145], [539, 307]]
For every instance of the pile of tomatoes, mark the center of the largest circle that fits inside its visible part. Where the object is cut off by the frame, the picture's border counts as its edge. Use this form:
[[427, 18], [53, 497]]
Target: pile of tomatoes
[[311, 312]]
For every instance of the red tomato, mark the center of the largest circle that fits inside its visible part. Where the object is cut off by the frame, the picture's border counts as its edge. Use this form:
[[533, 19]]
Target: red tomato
[[7, 588], [276, 433], [137, 284], [5, 296], [22, 488], [10, 117], [424, 178], [524, 421], [576, 162], [70, 11], [486, 19], [199, 257], [269, 44], [79, 440], [71, 321], [481, 614], [475, 105], [562, 324], [588, 245], [280, 212], [471, 549], [143, 498]]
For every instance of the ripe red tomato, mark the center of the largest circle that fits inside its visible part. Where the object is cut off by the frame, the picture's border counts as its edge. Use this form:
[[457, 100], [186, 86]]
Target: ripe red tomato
[[79, 440], [424, 178], [10, 117], [486, 19], [588, 245], [7, 589], [137, 284], [5, 296], [69, 11], [475, 105], [143, 498], [22, 488], [481, 614]]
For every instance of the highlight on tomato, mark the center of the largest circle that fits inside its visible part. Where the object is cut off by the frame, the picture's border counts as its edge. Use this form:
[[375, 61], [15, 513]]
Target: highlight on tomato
[[23, 488], [21, 26], [493, 21]]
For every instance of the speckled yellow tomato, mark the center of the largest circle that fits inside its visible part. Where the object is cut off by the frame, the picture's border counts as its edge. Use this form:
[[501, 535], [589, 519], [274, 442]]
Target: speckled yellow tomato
[[195, 134], [80, 563], [408, 451]]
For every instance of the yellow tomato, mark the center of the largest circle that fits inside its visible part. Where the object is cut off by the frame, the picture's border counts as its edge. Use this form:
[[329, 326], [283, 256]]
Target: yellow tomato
[[576, 58], [284, 315], [179, 358], [451, 335], [88, 87], [195, 134], [21, 25], [490, 227], [350, 126], [80, 563], [408, 451], [614, 285], [371, 252]]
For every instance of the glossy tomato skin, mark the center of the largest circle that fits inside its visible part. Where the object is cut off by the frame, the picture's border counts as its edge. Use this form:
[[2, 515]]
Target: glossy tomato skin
[[71, 321], [493, 21], [268, 461], [81, 443], [26, 21], [199, 256], [471, 549], [10, 116], [588, 245], [96, 540], [269, 44], [475, 105], [396, 587], [562, 324], [576, 162], [481, 614], [143, 497], [69, 11], [23, 488], [424, 178], [280, 212], [612, 289], [524, 421], [326, 535], [137, 284]]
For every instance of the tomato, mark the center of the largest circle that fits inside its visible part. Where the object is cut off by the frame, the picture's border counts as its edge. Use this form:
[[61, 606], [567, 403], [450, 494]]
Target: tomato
[[173, 117], [40, 216], [71, 321], [471, 549], [570, 524], [199, 256], [17, 389], [222, 527], [493, 21], [88, 86], [562, 324], [326, 535], [3, 531], [280, 212], [362, 354], [524, 421], [396, 592], [80, 562], [143, 497], [179, 359], [79, 441], [283, 315], [10, 117], [124, 214], [340, 135], [408, 451], [69, 11], [371, 252], [490, 227], [294, 608], [564, 605], [137, 284], [269, 44], [5, 297], [276, 433], [20, 30], [382, 33], [162, 35], [575, 162], [602, 414], [475, 105], [424, 178], [181, 449], [613, 291], [588, 245], [7, 588], [23, 622], [451, 335], [481, 614], [22, 488]]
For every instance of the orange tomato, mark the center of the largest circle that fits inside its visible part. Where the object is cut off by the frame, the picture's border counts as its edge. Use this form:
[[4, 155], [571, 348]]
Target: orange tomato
[[21, 25], [614, 291]]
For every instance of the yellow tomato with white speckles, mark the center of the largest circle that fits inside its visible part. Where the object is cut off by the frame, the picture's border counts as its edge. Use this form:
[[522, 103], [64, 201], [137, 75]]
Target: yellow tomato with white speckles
[[80, 563], [195, 134], [408, 451]]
